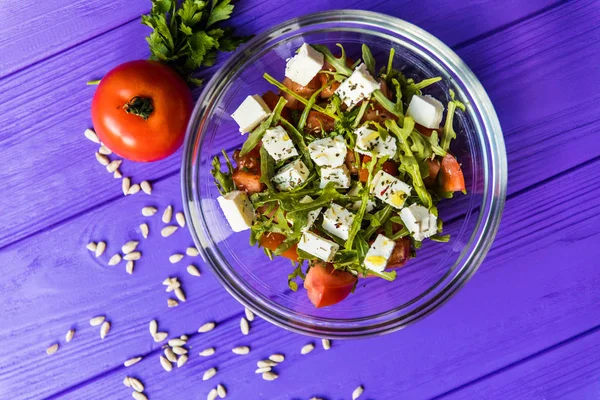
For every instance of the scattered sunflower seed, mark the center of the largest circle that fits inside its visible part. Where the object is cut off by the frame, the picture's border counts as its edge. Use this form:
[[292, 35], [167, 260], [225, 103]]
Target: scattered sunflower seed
[[262, 370], [131, 361], [100, 247], [52, 349], [192, 252], [129, 246], [114, 260], [126, 381], [207, 352], [278, 358], [97, 320], [176, 342], [91, 246], [249, 315], [170, 355], [315, 398], [179, 294], [117, 174], [179, 350], [221, 391], [129, 267], [307, 348], [180, 218], [113, 165], [175, 258], [104, 329], [166, 364], [133, 189], [182, 360], [172, 302], [241, 350], [104, 150], [209, 374], [160, 336], [91, 135], [133, 256], [146, 187], [125, 185], [136, 385], [326, 344], [212, 395], [269, 376], [149, 211], [207, 327], [167, 214], [139, 396], [69, 335], [183, 337], [244, 326], [192, 270], [357, 392], [168, 230], [153, 327], [144, 229], [102, 159], [266, 363]]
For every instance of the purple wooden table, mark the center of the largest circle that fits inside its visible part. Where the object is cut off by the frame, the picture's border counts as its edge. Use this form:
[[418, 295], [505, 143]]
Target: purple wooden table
[[527, 326]]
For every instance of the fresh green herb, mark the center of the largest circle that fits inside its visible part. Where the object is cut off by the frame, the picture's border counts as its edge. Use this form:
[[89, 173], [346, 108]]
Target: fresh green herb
[[413, 87], [449, 133], [387, 103], [440, 238], [256, 135], [390, 64], [295, 274], [338, 63], [223, 180], [267, 168], [358, 218], [368, 59]]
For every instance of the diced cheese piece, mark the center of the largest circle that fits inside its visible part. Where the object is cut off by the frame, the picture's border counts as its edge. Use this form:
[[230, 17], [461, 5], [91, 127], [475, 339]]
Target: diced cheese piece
[[317, 246], [357, 86], [278, 144], [250, 113], [339, 175], [427, 111], [419, 221], [337, 221], [312, 215], [390, 189], [238, 210], [291, 175], [356, 205], [305, 65], [369, 142], [328, 152], [379, 253]]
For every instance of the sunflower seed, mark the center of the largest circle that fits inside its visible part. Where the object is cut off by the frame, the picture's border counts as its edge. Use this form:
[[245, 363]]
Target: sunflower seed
[[100, 247], [139, 396], [146, 187], [114, 260], [357, 392], [192, 252], [102, 159], [179, 294], [209, 374], [133, 256], [104, 150], [131, 361], [168, 281], [170, 355], [149, 211], [269, 376], [212, 395], [265, 363], [126, 381], [69, 335], [326, 344], [207, 352], [133, 189], [168, 230], [249, 315], [172, 303], [97, 320], [192, 270], [153, 327], [129, 246], [166, 364], [113, 165], [175, 258], [315, 398], [307, 348], [91, 246], [207, 327], [91, 135], [241, 350], [176, 342], [261, 370], [125, 185], [221, 391], [136, 385], [52, 349], [244, 326], [129, 267], [179, 350], [183, 337], [117, 174], [182, 360], [104, 329], [167, 214], [144, 229], [160, 336], [180, 218], [278, 358]]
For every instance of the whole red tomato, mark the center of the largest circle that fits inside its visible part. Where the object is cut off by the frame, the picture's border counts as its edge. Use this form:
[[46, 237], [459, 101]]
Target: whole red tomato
[[141, 109]]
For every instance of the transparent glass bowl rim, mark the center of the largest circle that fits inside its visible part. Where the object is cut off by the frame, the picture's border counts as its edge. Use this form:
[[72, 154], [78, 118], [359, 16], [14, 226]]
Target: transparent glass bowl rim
[[494, 160]]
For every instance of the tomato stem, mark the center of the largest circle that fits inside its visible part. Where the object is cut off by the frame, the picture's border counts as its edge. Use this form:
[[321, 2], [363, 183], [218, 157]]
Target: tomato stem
[[140, 106]]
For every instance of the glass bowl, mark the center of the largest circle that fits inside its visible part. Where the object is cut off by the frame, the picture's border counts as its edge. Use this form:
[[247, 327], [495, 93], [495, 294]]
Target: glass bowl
[[424, 283]]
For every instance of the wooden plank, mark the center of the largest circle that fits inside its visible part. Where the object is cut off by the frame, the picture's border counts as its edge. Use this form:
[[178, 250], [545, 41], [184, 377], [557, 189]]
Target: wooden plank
[[68, 182], [528, 284]]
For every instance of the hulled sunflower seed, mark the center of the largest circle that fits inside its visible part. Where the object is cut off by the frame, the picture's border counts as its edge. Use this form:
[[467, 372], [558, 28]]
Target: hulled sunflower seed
[[244, 326], [104, 150], [167, 214], [91, 246], [52, 349], [307, 348], [207, 352], [102, 159], [179, 350], [129, 246], [192, 270], [249, 315], [172, 286], [133, 256], [241, 350], [114, 260], [166, 364], [170, 355], [117, 174], [168, 230], [153, 327], [175, 258], [149, 211], [69, 336], [129, 267], [176, 342], [146, 187], [172, 303], [357, 392], [180, 218], [97, 320], [139, 396], [160, 336], [125, 185], [100, 247], [278, 358], [207, 327], [182, 360], [144, 229], [315, 398], [326, 344], [126, 381], [269, 376], [180, 295], [262, 370], [209, 374], [265, 363], [91, 135], [133, 189], [136, 385], [104, 329], [183, 337], [221, 391], [212, 395], [192, 252], [131, 361], [113, 165]]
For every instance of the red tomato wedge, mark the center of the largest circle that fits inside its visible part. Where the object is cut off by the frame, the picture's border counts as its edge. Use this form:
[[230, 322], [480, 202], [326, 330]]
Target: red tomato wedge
[[272, 240], [391, 167], [317, 121], [434, 169], [303, 91], [271, 100], [451, 175], [400, 255], [325, 286], [249, 181]]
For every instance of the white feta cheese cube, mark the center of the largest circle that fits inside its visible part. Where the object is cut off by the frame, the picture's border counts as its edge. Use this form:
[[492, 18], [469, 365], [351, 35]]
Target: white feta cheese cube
[[278, 144], [337, 221], [419, 221], [317, 246], [328, 152], [238, 210], [369, 142], [291, 175], [304, 66], [339, 175], [379, 253], [356, 205], [312, 215], [427, 111], [390, 189], [357, 86], [250, 113]]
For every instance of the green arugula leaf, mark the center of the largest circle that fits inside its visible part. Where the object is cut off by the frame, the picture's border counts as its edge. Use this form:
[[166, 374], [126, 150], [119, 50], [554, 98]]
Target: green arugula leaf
[[449, 132], [223, 180], [368, 59], [338, 63], [267, 168]]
